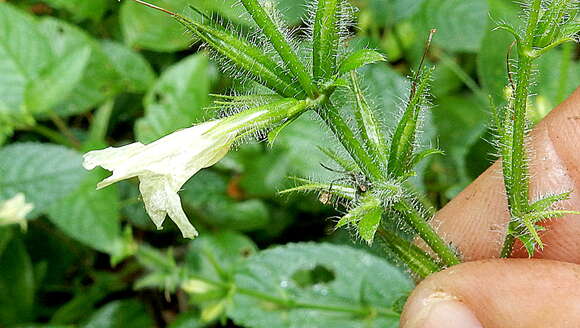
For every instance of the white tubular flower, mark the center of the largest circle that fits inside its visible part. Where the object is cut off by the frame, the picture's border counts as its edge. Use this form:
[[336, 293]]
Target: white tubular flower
[[165, 165], [14, 211]]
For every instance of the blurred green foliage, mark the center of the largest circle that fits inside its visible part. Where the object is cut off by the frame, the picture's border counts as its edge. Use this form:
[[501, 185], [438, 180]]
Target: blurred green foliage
[[81, 75]]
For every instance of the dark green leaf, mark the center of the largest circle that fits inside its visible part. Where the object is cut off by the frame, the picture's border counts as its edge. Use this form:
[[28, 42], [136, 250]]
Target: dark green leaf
[[120, 314], [16, 284]]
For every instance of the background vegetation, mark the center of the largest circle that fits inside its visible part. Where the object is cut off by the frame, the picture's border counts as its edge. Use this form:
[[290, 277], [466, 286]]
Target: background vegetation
[[82, 75]]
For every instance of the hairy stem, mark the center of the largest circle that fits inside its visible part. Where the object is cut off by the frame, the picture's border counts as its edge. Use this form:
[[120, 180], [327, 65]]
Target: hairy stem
[[415, 258], [344, 134], [414, 218]]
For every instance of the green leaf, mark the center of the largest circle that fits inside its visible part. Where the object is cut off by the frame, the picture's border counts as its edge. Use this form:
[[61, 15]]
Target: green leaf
[[390, 12], [547, 202], [81, 10], [151, 30], [403, 143], [371, 130], [359, 59], [57, 82], [121, 314], [24, 53], [90, 216], [317, 285], [100, 79], [367, 216], [368, 225], [460, 24], [134, 70], [44, 173], [16, 284], [177, 99]]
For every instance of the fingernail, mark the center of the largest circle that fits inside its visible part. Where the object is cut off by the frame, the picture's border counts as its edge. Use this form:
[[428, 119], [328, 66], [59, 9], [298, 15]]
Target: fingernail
[[444, 313]]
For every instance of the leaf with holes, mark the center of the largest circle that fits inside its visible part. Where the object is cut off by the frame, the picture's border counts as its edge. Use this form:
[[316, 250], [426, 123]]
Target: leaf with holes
[[317, 285]]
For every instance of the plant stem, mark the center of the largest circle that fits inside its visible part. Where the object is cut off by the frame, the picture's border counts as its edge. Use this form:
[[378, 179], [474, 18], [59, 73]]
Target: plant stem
[[344, 134], [515, 171], [281, 44], [415, 258], [427, 233]]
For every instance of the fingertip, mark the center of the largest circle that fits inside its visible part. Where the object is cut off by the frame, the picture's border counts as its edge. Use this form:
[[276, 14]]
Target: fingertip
[[441, 310], [497, 293]]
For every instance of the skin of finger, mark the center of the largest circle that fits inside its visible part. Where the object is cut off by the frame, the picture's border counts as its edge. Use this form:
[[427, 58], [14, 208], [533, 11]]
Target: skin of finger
[[475, 220], [506, 293]]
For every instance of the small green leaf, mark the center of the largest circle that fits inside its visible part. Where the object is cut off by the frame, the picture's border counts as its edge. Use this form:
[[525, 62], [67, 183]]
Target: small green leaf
[[547, 202], [57, 82], [368, 225], [420, 156], [371, 129], [345, 163], [272, 135], [367, 215], [403, 142], [359, 59]]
